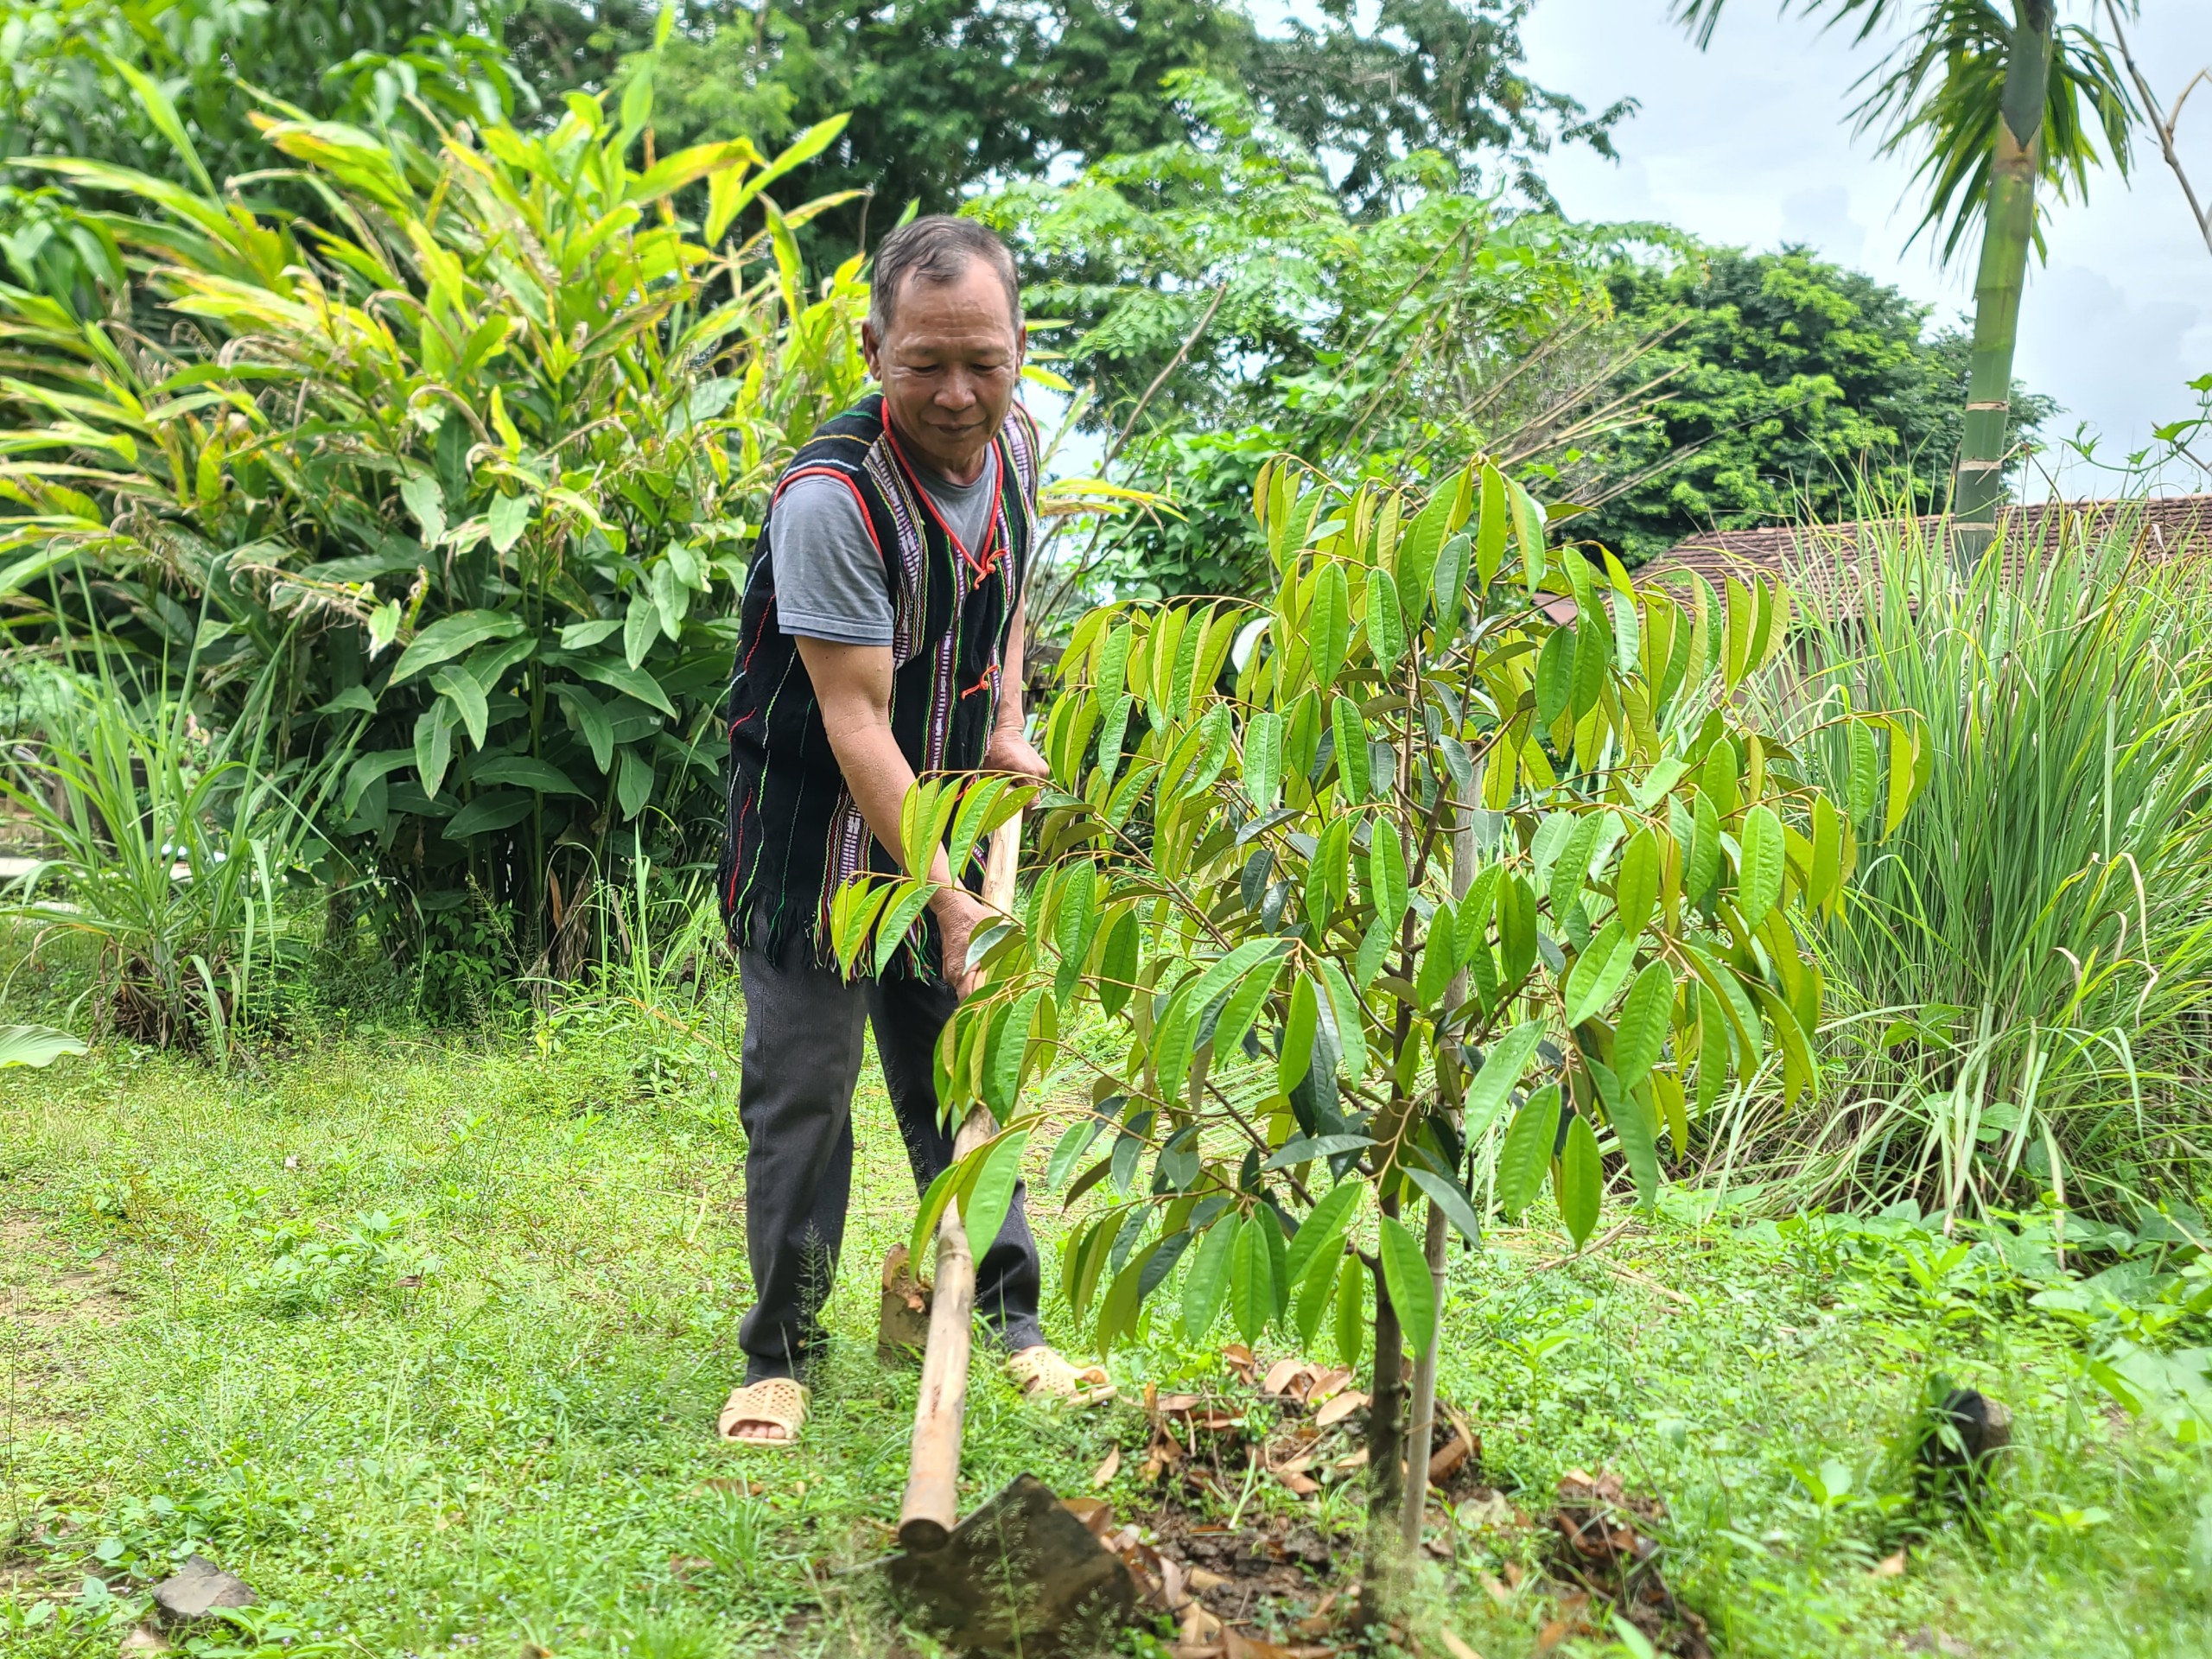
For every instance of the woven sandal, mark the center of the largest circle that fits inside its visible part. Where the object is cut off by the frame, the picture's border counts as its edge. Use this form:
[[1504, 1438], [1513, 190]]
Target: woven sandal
[[775, 1401], [1042, 1373]]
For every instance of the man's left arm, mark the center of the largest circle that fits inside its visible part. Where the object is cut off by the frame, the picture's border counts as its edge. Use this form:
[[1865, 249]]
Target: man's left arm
[[1009, 749]]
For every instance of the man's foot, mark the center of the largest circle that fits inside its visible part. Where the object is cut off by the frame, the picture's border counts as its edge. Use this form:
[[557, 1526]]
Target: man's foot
[[768, 1413], [1042, 1373]]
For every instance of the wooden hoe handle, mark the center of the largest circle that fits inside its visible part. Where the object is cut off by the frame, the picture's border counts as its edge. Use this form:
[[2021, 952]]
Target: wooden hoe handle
[[932, 1501]]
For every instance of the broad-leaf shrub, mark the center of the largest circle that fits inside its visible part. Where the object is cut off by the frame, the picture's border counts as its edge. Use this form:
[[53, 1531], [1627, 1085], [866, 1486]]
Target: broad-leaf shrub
[[467, 469], [1453, 871]]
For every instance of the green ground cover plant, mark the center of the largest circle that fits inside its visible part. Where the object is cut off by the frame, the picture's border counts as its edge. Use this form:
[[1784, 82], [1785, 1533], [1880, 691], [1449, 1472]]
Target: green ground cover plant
[[424, 1339]]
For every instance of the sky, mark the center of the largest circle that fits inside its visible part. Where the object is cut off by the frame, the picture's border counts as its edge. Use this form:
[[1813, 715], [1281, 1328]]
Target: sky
[[1750, 143]]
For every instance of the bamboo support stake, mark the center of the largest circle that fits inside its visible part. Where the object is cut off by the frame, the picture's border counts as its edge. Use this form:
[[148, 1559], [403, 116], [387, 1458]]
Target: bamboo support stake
[[1421, 1429], [932, 1500]]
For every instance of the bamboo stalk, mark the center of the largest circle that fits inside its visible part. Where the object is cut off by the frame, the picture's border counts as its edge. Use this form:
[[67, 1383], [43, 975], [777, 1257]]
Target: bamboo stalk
[[1421, 1429], [2008, 228]]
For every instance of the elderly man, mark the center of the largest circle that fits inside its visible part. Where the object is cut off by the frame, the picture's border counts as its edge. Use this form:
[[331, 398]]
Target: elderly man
[[880, 637]]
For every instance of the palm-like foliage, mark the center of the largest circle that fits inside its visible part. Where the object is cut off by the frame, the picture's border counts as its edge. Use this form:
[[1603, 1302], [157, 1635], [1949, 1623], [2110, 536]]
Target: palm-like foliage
[[1994, 108], [1940, 92], [462, 471]]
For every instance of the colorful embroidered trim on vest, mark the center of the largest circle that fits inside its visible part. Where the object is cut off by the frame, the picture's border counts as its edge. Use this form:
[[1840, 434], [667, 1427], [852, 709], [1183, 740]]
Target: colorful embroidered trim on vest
[[795, 834]]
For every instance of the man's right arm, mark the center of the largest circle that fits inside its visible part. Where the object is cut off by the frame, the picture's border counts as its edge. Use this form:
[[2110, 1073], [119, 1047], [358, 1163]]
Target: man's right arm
[[852, 686]]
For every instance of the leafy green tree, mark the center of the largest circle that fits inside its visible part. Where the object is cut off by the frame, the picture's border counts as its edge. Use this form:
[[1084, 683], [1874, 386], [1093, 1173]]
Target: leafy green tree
[[1399, 895], [945, 95], [1992, 105], [1228, 304], [1439, 75], [70, 72], [1786, 383]]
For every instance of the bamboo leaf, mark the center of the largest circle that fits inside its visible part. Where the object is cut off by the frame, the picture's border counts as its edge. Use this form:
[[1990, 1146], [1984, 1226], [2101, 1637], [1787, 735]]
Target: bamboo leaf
[[1405, 1271], [447, 638], [1322, 1233], [1636, 1126], [983, 1210], [1264, 760], [910, 897], [1295, 1057], [1251, 1279], [1490, 535], [1329, 625], [1599, 972], [1636, 888], [1527, 1153], [1640, 1035], [1500, 1074], [1351, 1312], [1386, 627], [1760, 860], [1581, 1181], [1351, 730], [1206, 1282], [1516, 927], [1447, 1197]]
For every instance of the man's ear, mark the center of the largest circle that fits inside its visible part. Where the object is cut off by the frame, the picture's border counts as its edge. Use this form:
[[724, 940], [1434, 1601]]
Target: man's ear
[[871, 348], [1021, 346]]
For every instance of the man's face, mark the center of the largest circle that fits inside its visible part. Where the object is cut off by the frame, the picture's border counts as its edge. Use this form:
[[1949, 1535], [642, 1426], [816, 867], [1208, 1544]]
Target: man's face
[[949, 366]]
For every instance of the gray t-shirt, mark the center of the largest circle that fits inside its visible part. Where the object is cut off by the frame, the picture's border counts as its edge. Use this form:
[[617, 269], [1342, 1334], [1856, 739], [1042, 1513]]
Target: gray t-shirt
[[828, 574]]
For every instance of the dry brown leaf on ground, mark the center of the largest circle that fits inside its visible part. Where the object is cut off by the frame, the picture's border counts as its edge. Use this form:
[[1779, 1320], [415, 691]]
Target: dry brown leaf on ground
[[1200, 1628], [1455, 1645], [1283, 1374], [1447, 1460], [1339, 1408], [1106, 1472], [1890, 1566]]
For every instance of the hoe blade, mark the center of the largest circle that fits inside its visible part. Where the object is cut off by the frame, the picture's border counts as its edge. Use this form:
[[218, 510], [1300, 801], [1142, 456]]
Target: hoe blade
[[1021, 1574]]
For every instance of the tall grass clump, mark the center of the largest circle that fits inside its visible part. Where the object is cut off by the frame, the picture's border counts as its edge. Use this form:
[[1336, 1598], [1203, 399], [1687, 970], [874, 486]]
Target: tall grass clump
[[166, 844], [2021, 967]]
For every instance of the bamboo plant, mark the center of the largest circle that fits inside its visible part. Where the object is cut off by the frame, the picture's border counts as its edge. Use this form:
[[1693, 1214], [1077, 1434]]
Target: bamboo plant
[[1245, 868]]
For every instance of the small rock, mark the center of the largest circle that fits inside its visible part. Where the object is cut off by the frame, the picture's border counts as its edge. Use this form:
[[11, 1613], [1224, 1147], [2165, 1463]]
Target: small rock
[[198, 1588], [142, 1641]]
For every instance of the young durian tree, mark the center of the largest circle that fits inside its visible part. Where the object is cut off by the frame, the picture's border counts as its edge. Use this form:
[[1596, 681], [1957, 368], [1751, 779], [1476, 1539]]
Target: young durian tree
[[1453, 872]]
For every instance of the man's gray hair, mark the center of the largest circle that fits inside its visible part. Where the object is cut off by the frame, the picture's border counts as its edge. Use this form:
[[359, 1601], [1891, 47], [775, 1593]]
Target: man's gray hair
[[937, 249]]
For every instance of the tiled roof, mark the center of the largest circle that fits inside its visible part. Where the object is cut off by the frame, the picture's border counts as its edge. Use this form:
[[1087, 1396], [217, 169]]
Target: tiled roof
[[1820, 560]]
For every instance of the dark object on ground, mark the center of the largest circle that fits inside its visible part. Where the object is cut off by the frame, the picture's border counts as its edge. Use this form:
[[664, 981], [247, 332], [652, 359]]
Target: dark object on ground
[[1021, 1575], [198, 1588], [1964, 1432], [1606, 1547]]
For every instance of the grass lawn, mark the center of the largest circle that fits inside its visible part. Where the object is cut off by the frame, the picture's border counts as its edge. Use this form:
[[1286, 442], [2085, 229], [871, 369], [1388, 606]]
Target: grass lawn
[[426, 1338]]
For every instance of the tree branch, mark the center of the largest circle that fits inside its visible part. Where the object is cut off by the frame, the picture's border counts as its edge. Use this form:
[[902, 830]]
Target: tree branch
[[2164, 121]]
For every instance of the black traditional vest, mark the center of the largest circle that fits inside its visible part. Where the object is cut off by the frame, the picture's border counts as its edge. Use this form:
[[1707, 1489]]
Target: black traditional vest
[[794, 836]]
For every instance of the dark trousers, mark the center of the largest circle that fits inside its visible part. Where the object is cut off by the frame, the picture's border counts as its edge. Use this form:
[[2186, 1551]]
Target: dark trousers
[[801, 1059]]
